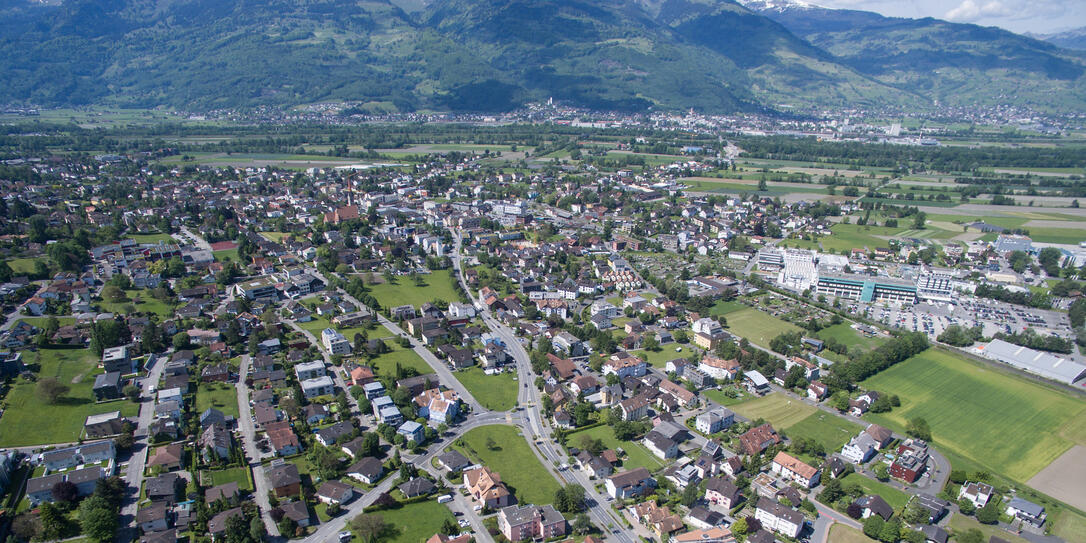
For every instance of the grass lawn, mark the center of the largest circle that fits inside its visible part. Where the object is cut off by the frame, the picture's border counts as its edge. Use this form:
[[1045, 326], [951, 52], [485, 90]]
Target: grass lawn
[[437, 286], [853, 236], [275, 236], [23, 266], [414, 522], [147, 304], [495, 392], [28, 420], [232, 475], [777, 409], [757, 326], [896, 498], [637, 456], [723, 308], [514, 460], [1008, 425], [719, 397], [829, 430], [1069, 525], [319, 323], [406, 358], [658, 359], [1057, 235], [152, 238], [220, 396], [961, 523], [847, 335], [839, 533], [220, 256]]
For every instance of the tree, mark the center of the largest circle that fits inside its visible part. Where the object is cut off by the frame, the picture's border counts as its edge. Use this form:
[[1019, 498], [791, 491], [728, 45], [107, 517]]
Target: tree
[[182, 341], [971, 535], [966, 507], [739, 527], [54, 524], [581, 524], [113, 293], [989, 514], [891, 531], [50, 390], [26, 527], [690, 494], [98, 519], [918, 428], [881, 472], [840, 400], [831, 490], [368, 526], [570, 498], [873, 526]]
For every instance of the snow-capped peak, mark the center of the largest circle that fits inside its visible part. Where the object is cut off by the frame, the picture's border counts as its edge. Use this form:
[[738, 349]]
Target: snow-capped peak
[[776, 5]]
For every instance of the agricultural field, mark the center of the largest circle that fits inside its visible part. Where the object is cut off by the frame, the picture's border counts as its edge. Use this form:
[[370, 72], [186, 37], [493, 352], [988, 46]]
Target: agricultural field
[[436, 286], [494, 392], [777, 409], [413, 522], [757, 326], [221, 396], [1008, 425], [853, 236], [29, 420], [513, 458], [637, 456]]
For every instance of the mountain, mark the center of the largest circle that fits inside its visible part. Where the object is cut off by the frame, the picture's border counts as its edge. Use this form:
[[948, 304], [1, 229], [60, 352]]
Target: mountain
[[956, 64], [1068, 39], [495, 55]]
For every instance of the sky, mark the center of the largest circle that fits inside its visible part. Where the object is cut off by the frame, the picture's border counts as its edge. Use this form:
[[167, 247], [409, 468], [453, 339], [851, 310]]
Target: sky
[[1038, 16]]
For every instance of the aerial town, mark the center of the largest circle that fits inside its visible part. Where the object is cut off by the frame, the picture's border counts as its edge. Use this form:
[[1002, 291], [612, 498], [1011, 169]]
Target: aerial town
[[564, 333]]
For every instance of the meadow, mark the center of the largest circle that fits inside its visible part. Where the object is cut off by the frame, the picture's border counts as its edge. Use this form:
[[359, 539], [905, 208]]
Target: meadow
[[494, 392], [1006, 424], [436, 286], [776, 409], [29, 420], [220, 396], [757, 326], [513, 459], [637, 456], [845, 334], [413, 522]]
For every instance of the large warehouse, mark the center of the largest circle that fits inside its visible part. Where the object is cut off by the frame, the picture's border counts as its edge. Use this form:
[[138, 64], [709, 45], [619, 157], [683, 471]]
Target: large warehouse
[[1046, 365]]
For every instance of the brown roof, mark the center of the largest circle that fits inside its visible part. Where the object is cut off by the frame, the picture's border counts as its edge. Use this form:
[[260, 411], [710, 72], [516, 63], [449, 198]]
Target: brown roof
[[170, 454], [754, 438], [794, 465], [563, 366]]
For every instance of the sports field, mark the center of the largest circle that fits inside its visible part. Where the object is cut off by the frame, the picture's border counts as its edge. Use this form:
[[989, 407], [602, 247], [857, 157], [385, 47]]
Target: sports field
[[514, 460], [757, 326], [1009, 425], [436, 286]]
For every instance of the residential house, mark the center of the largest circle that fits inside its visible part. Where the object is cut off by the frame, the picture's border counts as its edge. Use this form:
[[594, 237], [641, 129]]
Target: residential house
[[486, 487], [792, 469], [369, 470], [283, 478], [722, 492], [778, 518], [531, 522], [715, 420], [977, 493], [630, 483], [335, 492], [758, 439]]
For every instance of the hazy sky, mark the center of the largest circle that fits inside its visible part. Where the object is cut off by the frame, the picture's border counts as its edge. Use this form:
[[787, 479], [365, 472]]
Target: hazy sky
[[1017, 15]]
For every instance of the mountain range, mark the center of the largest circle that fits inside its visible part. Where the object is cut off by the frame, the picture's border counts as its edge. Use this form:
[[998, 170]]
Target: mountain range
[[495, 55]]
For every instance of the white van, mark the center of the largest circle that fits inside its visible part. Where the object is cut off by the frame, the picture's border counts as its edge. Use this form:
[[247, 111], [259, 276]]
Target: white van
[[444, 499]]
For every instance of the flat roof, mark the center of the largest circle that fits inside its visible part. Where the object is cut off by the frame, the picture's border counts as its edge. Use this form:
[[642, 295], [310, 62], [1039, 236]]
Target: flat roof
[[1039, 362]]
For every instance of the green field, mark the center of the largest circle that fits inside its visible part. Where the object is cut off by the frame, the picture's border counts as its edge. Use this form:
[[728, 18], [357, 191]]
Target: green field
[[218, 395], [847, 335], [637, 456], [514, 460], [152, 238], [275, 236], [146, 304], [232, 254], [413, 523], [406, 358], [777, 409], [1008, 425], [232, 475], [757, 326], [319, 323], [896, 498], [828, 429], [1069, 525], [719, 397], [961, 523], [494, 392], [28, 420], [725, 308], [24, 266], [839, 533], [1071, 236], [437, 286], [667, 352]]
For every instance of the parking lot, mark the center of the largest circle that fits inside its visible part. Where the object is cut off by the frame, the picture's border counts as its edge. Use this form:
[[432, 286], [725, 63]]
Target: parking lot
[[933, 318]]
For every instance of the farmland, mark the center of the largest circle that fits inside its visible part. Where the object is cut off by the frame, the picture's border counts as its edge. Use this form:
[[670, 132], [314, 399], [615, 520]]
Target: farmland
[[436, 286], [513, 459], [777, 409], [1006, 424]]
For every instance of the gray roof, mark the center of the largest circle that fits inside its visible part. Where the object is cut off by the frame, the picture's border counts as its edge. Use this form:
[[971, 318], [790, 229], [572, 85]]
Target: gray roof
[[517, 516], [1027, 507], [1041, 363], [416, 487]]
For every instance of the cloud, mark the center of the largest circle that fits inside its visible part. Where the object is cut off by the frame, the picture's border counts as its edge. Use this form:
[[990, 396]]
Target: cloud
[[970, 10]]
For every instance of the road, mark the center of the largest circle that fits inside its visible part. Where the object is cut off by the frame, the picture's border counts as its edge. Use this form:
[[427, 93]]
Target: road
[[199, 240], [133, 475], [252, 452], [545, 448]]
